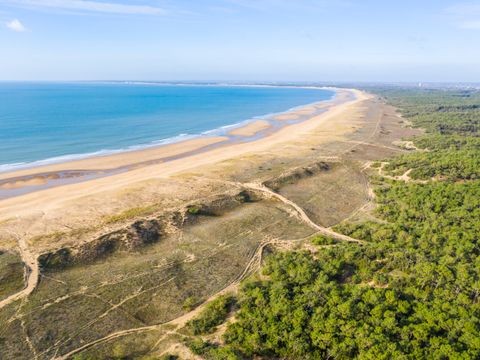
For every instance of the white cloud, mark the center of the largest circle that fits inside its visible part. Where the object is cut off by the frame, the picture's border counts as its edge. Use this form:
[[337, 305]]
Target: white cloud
[[92, 6], [16, 25]]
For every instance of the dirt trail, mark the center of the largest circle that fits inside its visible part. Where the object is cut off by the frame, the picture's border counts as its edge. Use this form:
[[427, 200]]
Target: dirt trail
[[397, 149], [300, 212], [303, 216], [32, 274], [405, 177]]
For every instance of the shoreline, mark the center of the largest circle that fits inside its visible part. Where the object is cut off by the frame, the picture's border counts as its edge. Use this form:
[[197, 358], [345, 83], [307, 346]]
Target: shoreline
[[224, 130], [27, 181]]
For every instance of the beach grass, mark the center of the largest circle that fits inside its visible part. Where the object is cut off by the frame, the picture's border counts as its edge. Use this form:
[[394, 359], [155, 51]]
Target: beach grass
[[131, 213]]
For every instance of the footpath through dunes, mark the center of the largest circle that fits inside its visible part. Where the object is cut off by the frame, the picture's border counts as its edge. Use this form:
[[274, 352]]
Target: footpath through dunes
[[125, 262], [302, 214], [31, 274]]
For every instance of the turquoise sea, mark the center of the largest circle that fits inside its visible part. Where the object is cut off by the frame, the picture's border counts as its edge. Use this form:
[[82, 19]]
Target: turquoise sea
[[43, 123]]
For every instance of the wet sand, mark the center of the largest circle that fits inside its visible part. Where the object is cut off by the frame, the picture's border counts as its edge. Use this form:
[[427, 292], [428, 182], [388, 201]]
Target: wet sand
[[120, 159], [251, 129], [31, 180], [287, 117]]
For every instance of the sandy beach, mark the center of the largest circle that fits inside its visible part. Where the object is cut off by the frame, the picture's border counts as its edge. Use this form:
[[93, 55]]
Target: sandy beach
[[166, 161], [150, 154], [120, 159], [287, 117], [101, 166]]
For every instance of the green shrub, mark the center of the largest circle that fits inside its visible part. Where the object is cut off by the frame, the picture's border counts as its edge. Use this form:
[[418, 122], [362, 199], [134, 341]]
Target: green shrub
[[323, 240], [213, 315], [193, 210], [169, 357], [212, 352], [198, 346], [190, 303]]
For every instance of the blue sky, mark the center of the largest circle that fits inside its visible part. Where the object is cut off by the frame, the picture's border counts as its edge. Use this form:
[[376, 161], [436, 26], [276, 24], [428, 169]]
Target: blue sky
[[263, 40]]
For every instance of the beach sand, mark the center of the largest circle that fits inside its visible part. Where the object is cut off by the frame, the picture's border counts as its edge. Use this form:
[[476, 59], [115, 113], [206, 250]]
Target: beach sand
[[251, 129], [35, 181], [121, 159], [42, 211], [172, 150], [287, 116]]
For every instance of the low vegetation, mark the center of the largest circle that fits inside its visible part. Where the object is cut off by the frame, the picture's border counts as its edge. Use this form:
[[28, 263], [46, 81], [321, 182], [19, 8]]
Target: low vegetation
[[131, 214], [209, 351], [213, 315], [11, 274], [323, 240]]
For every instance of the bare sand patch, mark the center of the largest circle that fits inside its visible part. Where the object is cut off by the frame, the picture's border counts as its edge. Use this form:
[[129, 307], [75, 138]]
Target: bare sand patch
[[287, 116], [296, 114], [251, 128]]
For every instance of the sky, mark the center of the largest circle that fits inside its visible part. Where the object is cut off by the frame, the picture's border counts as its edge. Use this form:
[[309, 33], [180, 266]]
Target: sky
[[242, 40]]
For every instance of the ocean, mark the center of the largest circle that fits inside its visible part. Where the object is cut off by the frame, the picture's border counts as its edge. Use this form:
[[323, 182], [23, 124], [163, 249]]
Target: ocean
[[42, 123]]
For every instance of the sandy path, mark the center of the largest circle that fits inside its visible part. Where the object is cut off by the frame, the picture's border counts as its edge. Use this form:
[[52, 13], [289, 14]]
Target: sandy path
[[303, 216], [405, 177], [32, 274]]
